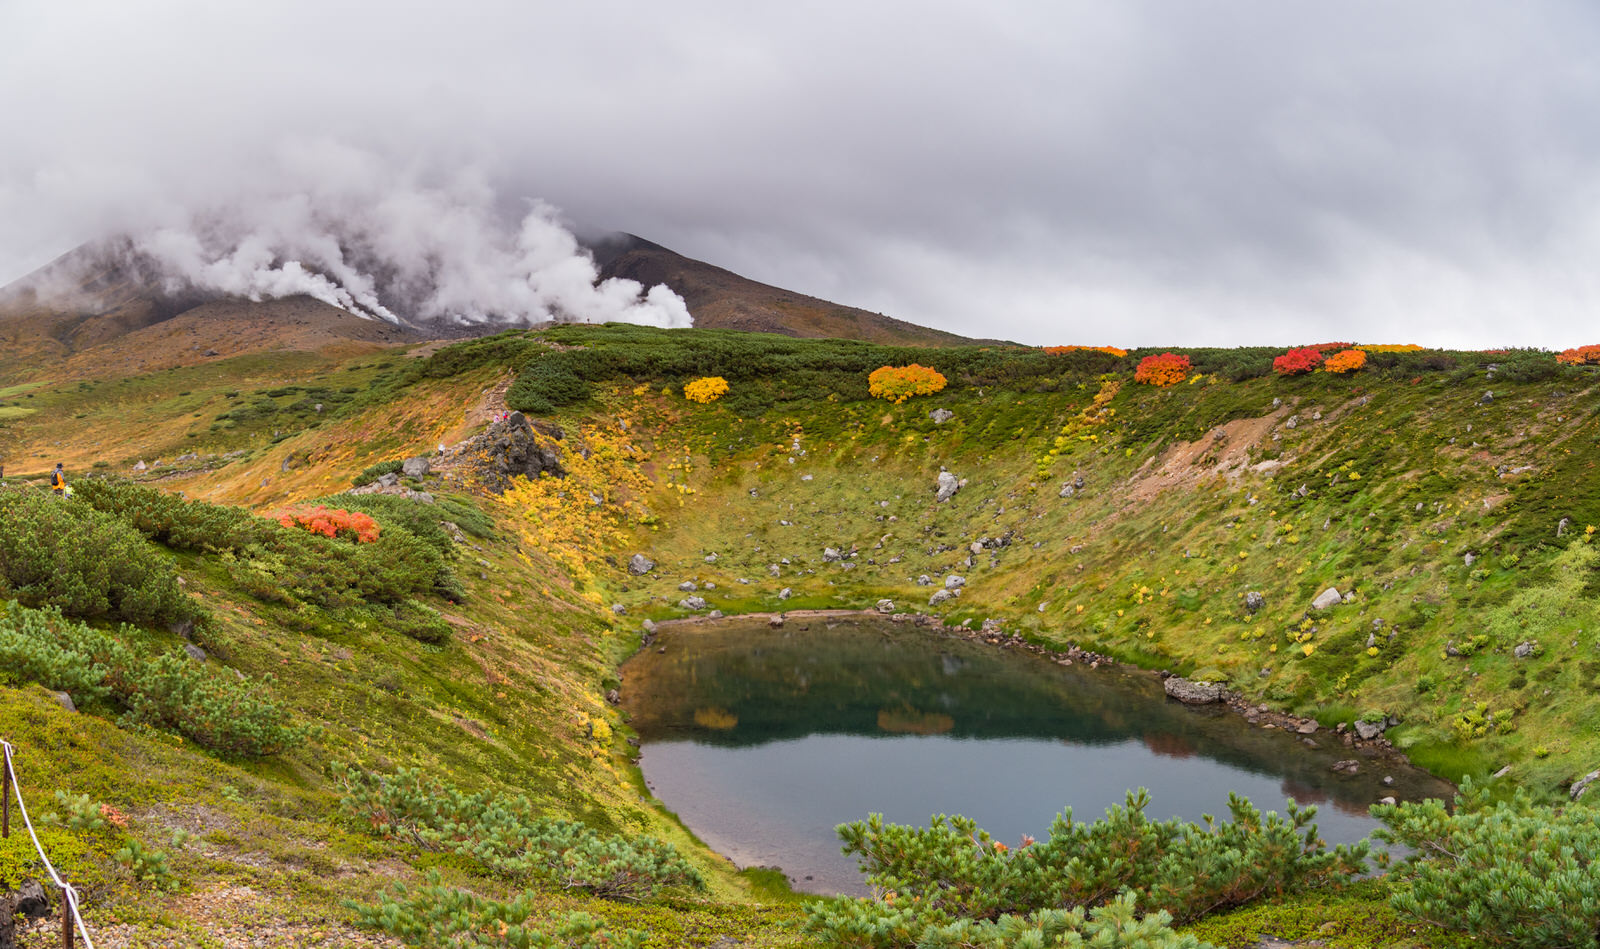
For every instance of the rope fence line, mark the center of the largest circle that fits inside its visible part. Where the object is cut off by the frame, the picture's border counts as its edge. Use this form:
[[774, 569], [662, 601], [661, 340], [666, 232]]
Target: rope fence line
[[9, 787]]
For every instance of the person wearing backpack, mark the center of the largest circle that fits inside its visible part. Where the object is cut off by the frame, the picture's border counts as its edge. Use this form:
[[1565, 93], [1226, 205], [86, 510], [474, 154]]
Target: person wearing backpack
[[58, 482]]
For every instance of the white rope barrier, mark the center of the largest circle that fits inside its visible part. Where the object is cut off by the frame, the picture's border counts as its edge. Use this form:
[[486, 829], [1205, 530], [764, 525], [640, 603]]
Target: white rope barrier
[[69, 895]]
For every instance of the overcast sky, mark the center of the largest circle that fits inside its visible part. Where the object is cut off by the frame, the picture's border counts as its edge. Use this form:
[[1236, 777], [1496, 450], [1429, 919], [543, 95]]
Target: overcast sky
[[1129, 172]]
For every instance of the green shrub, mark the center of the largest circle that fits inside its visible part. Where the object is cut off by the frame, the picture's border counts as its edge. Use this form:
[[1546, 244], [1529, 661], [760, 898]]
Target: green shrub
[[502, 834], [439, 916], [282, 564], [90, 565], [1510, 873], [951, 874], [211, 707], [147, 866], [419, 621]]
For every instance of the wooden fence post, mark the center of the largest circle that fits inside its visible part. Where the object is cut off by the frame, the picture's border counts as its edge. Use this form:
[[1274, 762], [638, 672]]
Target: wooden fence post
[[5, 792], [66, 920]]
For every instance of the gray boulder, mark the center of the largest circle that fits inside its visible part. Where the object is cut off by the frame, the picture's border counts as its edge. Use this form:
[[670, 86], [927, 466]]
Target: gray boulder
[[785, 593], [687, 586], [1524, 649], [1254, 601], [939, 596], [639, 565], [941, 416], [1193, 693], [924, 580], [1582, 784], [619, 609], [1327, 599], [830, 554], [692, 603], [194, 652], [417, 467], [64, 700], [1068, 491], [885, 606], [947, 486], [954, 582], [1367, 731]]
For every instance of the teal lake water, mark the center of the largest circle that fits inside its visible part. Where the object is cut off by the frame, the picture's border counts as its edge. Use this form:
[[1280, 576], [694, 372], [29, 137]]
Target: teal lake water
[[763, 741]]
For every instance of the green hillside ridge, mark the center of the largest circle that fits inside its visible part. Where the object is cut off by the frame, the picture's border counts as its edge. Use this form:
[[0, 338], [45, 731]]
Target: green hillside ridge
[[1382, 484]]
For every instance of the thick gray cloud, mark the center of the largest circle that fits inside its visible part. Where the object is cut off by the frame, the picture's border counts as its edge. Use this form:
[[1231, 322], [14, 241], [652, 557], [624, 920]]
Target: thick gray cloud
[[1138, 172]]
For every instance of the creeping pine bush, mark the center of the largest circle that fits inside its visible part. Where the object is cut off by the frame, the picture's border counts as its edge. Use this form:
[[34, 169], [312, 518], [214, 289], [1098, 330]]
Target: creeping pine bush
[[278, 563], [372, 473], [439, 916], [503, 834], [210, 707], [951, 876], [86, 563], [1510, 873]]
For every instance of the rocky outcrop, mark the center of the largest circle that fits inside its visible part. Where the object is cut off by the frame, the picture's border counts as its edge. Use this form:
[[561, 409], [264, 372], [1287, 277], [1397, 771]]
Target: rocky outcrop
[[947, 486], [1193, 693], [513, 446]]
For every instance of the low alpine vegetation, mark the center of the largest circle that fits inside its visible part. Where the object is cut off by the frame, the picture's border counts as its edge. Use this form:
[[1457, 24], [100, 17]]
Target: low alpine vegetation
[[951, 878], [210, 707], [504, 836]]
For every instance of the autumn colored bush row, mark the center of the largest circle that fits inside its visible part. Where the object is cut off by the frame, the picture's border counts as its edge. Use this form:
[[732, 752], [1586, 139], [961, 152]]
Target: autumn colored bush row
[[1167, 369], [1063, 350], [899, 383]]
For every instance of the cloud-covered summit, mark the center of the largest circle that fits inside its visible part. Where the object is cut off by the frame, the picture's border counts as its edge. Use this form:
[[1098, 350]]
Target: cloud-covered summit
[[1140, 172]]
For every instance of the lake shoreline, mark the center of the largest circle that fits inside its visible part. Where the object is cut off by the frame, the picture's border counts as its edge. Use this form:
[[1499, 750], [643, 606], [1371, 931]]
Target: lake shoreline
[[1376, 750]]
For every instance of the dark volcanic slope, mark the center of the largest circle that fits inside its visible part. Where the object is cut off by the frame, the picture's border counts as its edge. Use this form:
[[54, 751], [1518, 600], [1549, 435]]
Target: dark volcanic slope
[[721, 299], [97, 310]]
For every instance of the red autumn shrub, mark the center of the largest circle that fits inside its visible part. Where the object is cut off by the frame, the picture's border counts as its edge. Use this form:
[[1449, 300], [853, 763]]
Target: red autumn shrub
[[1298, 361], [332, 522], [1167, 369]]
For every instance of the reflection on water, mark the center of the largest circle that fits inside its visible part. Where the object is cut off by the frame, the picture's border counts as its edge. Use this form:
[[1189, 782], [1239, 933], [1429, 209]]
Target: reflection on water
[[764, 740]]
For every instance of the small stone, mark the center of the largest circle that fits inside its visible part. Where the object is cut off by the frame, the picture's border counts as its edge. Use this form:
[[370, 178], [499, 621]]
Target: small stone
[[1327, 599], [1523, 650], [1502, 772], [785, 593], [1346, 766], [194, 652], [692, 603], [618, 609], [924, 580], [64, 700], [775, 621], [1388, 781], [885, 606], [714, 614], [1367, 731], [1254, 601], [805, 477], [1307, 728], [1387, 800], [613, 696], [649, 625], [688, 586], [830, 554]]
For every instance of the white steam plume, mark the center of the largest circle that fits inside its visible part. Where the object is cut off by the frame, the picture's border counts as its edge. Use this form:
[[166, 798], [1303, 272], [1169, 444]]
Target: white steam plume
[[359, 235]]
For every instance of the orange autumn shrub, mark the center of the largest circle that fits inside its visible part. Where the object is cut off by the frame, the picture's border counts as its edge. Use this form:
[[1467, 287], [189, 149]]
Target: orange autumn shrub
[[1296, 361], [332, 522], [899, 383], [1063, 350], [706, 389], [1348, 361], [1167, 369], [1580, 356]]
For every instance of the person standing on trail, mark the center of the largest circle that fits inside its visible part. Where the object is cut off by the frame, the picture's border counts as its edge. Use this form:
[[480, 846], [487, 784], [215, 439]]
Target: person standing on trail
[[58, 482]]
